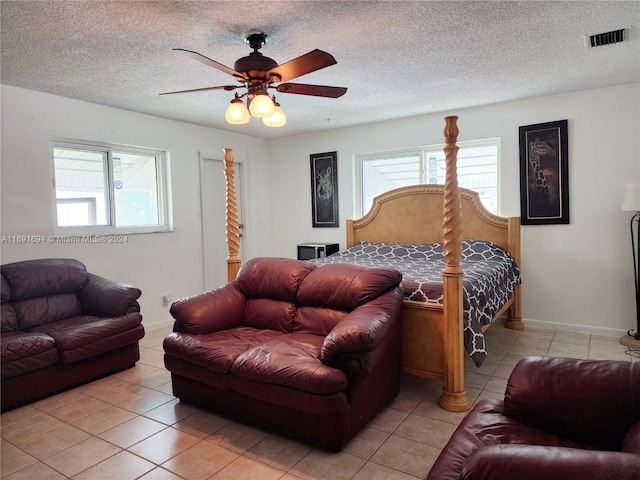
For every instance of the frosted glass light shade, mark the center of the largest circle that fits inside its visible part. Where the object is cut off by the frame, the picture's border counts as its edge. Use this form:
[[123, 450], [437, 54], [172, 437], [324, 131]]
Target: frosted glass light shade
[[237, 113], [278, 119], [631, 202], [261, 106]]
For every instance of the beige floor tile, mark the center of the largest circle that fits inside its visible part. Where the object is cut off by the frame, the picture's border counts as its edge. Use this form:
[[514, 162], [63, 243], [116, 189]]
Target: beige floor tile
[[99, 385], [425, 430], [569, 348], [29, 428], [365, 443], [503, 371], [122, 393], [145, 401], [407, 400], [60, 400], [373, 471], [104, 420], [36, 471], [16, 416], [171, 412], [122, 466], [388, 420], [13, 460], [200, 461], [321, 465], [84, 455], [164, 445], [407, 456], [497, 385], [572, 338], [429, 407], [155, 379], [54, 441], [160, 474], [247, 469], [132, 431], [279, 452], [80, 408], [202, 425], [134, 374], [238, 437]]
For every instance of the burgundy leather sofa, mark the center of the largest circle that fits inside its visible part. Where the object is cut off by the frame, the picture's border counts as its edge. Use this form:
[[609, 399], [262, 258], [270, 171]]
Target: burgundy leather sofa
[[308, 352], [62, 326], [560, 419]]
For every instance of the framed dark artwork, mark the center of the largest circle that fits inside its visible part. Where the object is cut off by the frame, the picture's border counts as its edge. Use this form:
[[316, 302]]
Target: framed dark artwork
[[324, 189], [544, 175]]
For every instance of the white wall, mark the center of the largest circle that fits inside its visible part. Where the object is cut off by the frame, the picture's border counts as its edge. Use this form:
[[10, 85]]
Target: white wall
[[156, 263], [575, 277]]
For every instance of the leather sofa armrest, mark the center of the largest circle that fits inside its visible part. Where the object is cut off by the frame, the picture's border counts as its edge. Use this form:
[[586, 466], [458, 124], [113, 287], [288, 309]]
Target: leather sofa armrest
[[363, 328], [106, 298], [549, 394], [211, 311], [524, 462]]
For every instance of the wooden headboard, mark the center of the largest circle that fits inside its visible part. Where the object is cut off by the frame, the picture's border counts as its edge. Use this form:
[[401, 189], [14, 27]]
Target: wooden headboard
[[414, 215]]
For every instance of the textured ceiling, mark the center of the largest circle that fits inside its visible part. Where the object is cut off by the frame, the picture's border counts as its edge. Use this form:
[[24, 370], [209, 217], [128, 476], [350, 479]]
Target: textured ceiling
[[398, 58]]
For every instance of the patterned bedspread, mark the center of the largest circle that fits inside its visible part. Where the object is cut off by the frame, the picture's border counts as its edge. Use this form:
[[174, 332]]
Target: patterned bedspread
[[490, 278]]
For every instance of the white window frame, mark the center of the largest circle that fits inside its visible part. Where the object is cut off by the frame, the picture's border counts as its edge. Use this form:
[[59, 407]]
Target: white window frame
[[422, 152], [163, 186]]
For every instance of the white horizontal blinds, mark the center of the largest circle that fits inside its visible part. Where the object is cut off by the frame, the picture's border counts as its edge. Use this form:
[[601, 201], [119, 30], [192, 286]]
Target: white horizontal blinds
[[477, 170]]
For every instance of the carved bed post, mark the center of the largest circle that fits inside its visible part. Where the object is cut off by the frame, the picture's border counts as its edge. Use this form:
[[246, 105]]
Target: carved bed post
[[232, 225], [454, 397]]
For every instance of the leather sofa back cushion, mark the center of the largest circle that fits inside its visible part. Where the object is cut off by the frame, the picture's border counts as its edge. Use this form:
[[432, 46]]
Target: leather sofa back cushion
[[274, 278], [6, 290], [8, 318], [269, 314], [343, 286], [47, 309], [602, 422], [49, 277]]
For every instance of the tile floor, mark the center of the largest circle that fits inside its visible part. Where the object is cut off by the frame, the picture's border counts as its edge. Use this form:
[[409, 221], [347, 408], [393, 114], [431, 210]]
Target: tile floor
[[129, 426]]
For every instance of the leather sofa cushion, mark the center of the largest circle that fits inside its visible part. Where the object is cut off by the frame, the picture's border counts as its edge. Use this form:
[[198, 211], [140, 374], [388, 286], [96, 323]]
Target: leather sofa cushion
[[274, 278], [344, 286], [486, 424], [23, 352], [218, 350], [269, 314], [602, 422], [632, 440], [6, 290], [47, 309], [317, 320], [8, 318], [82, 330], [46, 277], [291, 360]]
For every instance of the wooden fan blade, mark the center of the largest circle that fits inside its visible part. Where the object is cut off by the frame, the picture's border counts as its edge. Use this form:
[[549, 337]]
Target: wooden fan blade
[[212, 63], [307, 63], [222, 87], [315, 90]]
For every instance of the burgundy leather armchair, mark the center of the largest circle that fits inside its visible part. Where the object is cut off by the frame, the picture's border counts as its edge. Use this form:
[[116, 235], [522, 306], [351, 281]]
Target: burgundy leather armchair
[[62, 326], [561, 418], [309, 352]]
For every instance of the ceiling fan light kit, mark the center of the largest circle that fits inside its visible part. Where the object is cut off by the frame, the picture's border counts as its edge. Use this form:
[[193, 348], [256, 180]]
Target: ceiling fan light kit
[[258, 73]]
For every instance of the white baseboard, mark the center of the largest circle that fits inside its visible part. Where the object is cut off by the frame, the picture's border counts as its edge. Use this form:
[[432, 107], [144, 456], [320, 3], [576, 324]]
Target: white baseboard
[[160, 325], [573, 328]]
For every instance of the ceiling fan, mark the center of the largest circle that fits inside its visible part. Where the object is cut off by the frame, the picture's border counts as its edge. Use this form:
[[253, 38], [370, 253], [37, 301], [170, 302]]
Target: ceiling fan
[[258, 74]]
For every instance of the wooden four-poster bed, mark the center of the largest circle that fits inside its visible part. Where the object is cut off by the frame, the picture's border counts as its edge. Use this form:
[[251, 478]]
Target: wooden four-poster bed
[[415, 216]]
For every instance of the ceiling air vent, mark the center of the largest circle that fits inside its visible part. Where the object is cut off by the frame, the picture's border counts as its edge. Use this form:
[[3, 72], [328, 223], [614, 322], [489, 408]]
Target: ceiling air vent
[[607, 38]]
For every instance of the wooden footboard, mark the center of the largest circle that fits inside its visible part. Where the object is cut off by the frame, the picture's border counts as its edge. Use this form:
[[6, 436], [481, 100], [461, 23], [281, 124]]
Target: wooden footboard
[[432, 335]]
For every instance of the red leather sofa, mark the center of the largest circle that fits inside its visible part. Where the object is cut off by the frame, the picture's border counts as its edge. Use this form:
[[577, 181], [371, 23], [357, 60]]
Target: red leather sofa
[[308, 352], [62, 326], [560, 419]]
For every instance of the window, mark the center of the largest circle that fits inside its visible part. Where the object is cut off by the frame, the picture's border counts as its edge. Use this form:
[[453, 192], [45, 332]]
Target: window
[[477, 167], [113, 188]]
